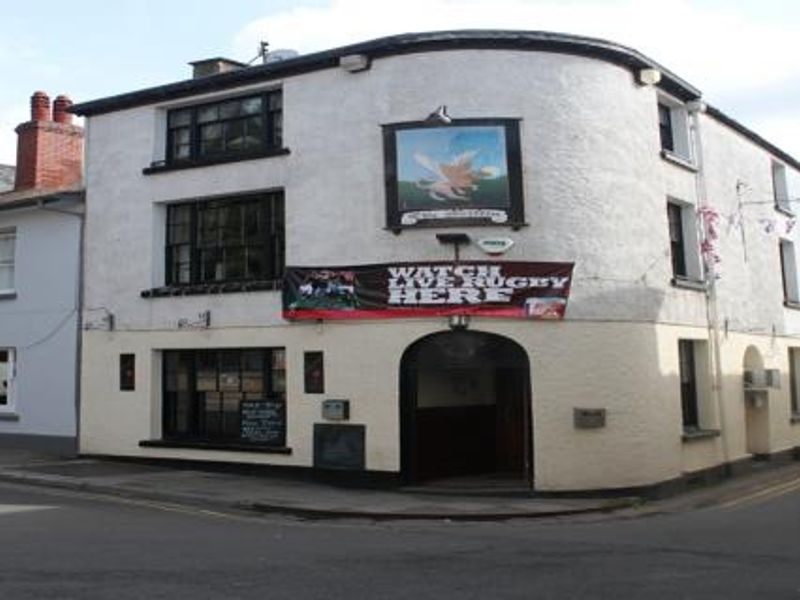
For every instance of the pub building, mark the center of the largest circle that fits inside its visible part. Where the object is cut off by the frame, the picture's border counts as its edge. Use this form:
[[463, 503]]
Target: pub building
[[512, 257]]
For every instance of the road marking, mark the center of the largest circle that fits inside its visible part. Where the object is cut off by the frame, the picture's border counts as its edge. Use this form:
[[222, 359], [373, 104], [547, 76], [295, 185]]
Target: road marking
[[763, 495], [9, 509]]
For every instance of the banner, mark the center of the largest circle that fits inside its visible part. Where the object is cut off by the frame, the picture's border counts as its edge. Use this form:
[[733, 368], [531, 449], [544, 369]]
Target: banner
[[521, 290]]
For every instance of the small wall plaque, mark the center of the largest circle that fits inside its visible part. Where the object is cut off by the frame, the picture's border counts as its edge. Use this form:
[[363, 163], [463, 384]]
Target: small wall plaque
[[589, 418], [336, 410], [495, 245]]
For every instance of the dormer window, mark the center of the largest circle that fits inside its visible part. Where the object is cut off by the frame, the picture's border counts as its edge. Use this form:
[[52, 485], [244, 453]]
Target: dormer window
[[238, 127]]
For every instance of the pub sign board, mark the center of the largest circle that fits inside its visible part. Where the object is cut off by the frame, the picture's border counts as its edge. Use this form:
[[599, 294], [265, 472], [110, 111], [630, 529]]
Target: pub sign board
[[466, 172], [521, 290]]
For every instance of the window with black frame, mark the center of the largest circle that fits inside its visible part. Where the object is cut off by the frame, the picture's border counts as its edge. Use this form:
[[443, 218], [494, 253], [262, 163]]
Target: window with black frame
[[237, 127], [237, 239], [206, 394]]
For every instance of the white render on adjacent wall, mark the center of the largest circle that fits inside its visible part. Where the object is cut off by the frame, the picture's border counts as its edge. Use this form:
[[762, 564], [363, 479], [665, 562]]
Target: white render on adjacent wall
[[40, 324], [595, 189]]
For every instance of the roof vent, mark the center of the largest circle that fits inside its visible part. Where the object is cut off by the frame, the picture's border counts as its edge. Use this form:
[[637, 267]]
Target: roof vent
[[214, 66], [280, 55]]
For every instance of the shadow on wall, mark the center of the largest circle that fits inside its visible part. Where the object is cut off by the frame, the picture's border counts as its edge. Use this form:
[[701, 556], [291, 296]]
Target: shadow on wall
[[607, 300]]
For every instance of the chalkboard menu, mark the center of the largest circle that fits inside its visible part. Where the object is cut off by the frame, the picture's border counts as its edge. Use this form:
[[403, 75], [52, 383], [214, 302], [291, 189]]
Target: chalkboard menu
[[263, 422]]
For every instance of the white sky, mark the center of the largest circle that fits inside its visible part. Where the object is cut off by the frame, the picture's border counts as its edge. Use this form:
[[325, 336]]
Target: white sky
[[741, 54]]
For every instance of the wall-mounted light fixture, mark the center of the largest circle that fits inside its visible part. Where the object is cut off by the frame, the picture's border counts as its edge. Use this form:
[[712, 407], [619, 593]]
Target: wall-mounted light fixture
[[439, 116], [459, 322], [353, 63], [649, 76], [454, 239], [203, 321]]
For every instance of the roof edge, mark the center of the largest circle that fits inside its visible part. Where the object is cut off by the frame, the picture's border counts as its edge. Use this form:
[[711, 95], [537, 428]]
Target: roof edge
[[408, 43]]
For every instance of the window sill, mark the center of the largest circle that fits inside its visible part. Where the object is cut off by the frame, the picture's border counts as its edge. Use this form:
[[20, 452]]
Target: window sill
[[786, 210], [697, 285], [9, 416], [162, 167], [792, 304], [8, 295], [199, 289], [795, 419], [690, 435], [679, 160], [198, 445]]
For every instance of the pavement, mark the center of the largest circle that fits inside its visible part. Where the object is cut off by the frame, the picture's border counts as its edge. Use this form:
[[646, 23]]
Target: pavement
[[309, 499]]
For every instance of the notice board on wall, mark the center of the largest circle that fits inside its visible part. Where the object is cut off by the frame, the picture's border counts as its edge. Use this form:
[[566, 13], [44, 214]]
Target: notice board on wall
[[338, 446], [263, 422]]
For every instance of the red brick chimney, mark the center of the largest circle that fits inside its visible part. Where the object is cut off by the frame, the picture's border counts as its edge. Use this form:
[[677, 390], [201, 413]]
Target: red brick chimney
[[49, 150]]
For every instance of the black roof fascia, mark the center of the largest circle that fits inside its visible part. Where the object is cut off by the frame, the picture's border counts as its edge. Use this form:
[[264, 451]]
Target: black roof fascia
[[410, 43], [720, 116]]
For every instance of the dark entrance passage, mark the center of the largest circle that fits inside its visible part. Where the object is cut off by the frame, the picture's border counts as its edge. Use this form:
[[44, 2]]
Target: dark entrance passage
[[465, 407]]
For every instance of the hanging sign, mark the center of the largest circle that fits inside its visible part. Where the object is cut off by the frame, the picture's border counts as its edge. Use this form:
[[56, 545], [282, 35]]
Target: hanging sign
[[522, 290]]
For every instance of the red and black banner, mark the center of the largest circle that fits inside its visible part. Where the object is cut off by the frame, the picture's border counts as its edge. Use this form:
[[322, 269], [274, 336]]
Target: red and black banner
[[520, 290]]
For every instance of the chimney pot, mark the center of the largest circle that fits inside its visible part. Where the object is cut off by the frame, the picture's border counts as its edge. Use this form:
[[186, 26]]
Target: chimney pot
[[40, 107], [49, 152], [60, 110]]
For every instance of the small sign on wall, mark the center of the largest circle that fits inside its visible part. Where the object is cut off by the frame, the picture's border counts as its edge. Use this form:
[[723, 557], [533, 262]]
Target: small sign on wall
[[336, 410], [589, 418]]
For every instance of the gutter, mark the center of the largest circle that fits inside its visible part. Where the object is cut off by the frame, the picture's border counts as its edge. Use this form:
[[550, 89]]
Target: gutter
[[408, 43]]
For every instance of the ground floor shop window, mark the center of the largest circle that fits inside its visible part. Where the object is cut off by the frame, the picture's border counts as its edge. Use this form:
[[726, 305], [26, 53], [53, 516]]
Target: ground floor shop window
[[234, 395], [6, 379]]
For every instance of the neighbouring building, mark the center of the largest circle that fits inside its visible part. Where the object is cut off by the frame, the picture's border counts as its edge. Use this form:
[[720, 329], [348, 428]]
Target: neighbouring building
[[526, 254], [6, 178], [40, 238]]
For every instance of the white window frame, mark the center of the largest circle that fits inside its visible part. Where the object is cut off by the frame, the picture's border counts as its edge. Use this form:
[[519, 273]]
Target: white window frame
[[682, 141], [791, 292], [11, 372], [780, 188], [691, 241], [12, 235]]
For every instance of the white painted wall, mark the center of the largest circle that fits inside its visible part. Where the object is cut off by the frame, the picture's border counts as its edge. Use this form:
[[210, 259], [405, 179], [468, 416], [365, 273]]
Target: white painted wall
[[41, 322], [595, 190]]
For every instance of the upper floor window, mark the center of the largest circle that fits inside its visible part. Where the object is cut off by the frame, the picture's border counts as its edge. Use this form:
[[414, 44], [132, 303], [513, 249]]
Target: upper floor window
[[791, 292], [225, 129], [683, 242], [673, 128], [225, 240], [8, 240], [780, 188]]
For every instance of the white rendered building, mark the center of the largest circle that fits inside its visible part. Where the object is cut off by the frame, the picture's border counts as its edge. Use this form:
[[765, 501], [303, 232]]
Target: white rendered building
[[504, 252]]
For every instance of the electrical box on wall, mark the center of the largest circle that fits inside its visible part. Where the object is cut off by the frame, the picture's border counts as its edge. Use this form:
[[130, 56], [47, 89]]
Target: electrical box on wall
[[589, 418], [336, 410]]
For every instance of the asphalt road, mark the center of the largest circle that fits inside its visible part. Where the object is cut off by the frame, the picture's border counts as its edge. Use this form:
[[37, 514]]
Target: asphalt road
[[63, 545]]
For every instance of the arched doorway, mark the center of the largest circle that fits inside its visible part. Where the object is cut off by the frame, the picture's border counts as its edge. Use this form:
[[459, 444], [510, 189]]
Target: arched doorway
[[465, 408], [756, 412]]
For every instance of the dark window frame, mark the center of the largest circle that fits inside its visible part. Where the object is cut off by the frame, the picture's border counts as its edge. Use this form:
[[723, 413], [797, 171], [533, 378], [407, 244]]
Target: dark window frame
[[665, 127], [794, 393], [271, 138], [188, 252], [198, 428], [687, 375], [127, 372], [313, 383], [677, 240]]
